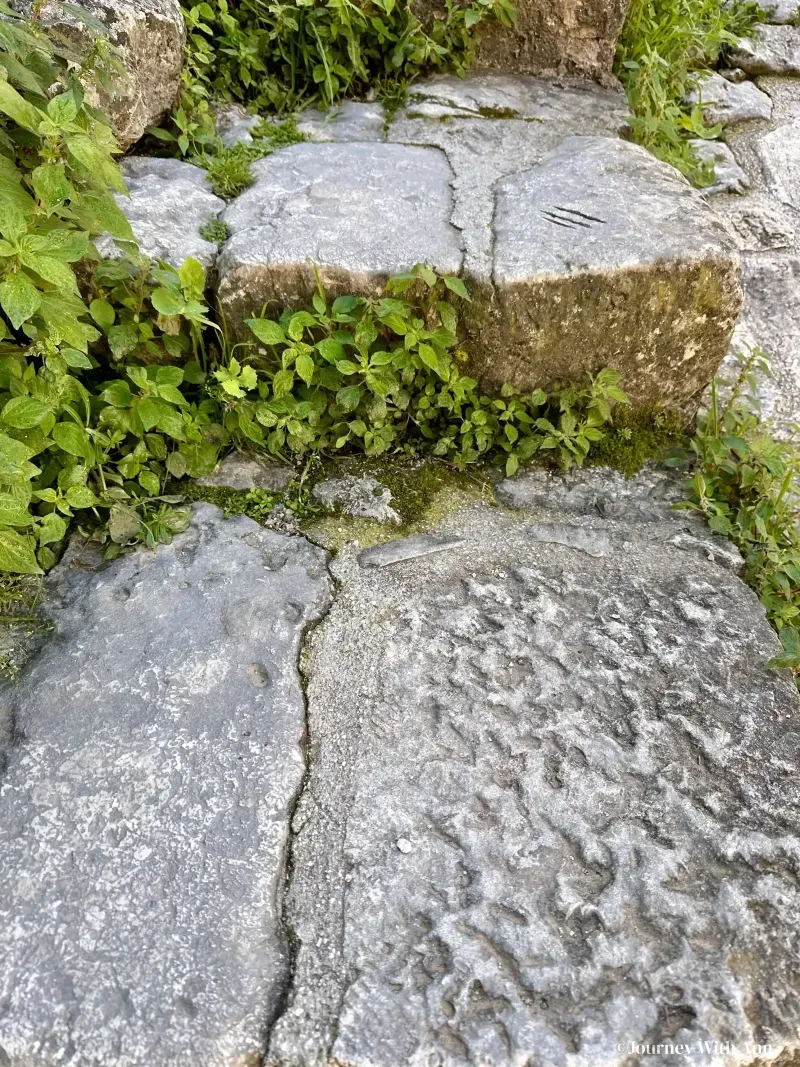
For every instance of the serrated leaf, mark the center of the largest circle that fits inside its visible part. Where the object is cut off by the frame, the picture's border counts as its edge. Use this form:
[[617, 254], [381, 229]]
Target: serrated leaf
[[18, 108], [73, 439], [455, 285], [267, 331], [51, 185], [24, 412], [19, 298], [304, 365], [81, 496], [167, 301], [192, 275], [177, 465]]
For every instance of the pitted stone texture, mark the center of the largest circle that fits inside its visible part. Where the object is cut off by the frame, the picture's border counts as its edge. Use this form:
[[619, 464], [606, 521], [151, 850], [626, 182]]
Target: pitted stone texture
[[780, 12], [728, 175], [730, 102], [760, 225], [144, 812], [234, 125], [237, 471], [359, 212], [555, 37], [605, 256], [150, 37], [771, 50], [476, 122], [360, 497], [552, 810], [779, 155], [169, 201], [348, 121]]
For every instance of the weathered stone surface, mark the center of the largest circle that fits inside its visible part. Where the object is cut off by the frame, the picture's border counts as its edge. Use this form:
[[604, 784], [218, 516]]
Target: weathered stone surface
[[349, 121], [779, 155], [779, 12], [169, 201], [552, 808], [234, 125], [771, 50], [760, 224], [150, 35], [359, 212], [490, 126], [730, 102], [360, 497], [237, 471], [728, 175], [604, 256], [770, 321], [144, 812], [560, 37]]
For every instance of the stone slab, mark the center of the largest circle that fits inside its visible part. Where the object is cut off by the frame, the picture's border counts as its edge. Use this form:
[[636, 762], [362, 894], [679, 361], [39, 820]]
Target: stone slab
[[476, 122], [237, 471], [605, 256], [552, 809], [771, 50], [779, 155], [144, 811], [359, 212], [168, 203], [730, 102]]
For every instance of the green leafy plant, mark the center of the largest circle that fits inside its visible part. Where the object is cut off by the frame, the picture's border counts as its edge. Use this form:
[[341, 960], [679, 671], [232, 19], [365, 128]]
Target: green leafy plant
[[216, 231], [663, 43], [278, 56], [229, 168], [358, 374], [746, 484]]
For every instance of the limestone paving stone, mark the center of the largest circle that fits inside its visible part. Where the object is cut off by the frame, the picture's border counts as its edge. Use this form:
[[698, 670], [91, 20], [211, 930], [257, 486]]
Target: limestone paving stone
[[552, 806], [359, 212], [730, 102], [605, 256], [169, 201], [149, 36], [771, 50], [144, 808]]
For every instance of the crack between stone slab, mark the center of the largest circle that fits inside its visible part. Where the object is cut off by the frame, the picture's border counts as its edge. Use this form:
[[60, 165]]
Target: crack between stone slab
[[288, 935]]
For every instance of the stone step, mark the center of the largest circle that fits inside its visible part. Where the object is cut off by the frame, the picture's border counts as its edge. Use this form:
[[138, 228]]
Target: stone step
[[582, 250], [541, 805]]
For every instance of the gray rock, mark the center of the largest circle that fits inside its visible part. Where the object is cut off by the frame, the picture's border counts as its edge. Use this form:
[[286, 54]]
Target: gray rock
[[237, 471], [169, 201], [406, 548], [779, 155], [149, 36], [779, 12], [234, 125], [476, 122], [561, 37], [728, 175], [349, 121], [552, 811], [771, 50], [770, 321], [336, 206], [360, 497], [604, 256], [144, 814], [729, 102], [761, 225]]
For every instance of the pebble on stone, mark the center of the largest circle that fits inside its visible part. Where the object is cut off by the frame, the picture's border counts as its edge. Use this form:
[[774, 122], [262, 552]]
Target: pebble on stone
[[169, 201], [605, 257], [779, 155], [729, 102], [359, 497], [728, 175], [771, 50], [237, 471], [336, 206], [144, 812]]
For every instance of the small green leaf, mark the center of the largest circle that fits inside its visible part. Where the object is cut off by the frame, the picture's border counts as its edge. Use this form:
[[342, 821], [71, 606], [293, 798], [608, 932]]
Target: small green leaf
[[73, 439], [24, 412], [167, 302], [103, 314], [455, 285], [51, 528], [304, 365], [17, 554], [270, 333], [19, 298]]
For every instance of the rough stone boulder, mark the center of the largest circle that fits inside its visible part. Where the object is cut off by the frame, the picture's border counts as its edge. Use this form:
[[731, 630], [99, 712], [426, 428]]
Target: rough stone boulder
[[360, 212], [604, 256], [150, 36], [144, 811], [553, 803], [771, 50], [168, 203], [551, 37]]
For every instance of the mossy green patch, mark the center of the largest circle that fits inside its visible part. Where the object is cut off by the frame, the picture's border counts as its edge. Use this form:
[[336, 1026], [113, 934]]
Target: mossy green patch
[[636, 437]]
